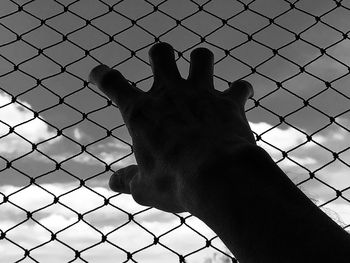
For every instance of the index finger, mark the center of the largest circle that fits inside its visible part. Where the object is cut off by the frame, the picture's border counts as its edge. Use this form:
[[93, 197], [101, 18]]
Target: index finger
[[112, 83]]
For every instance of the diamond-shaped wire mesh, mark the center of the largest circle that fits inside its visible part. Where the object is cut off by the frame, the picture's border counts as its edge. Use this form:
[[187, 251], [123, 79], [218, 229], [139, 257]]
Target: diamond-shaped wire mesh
[[60, 139]]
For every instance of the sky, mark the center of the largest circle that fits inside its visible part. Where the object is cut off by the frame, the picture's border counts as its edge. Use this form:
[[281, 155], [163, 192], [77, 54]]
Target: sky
[[66, 41]]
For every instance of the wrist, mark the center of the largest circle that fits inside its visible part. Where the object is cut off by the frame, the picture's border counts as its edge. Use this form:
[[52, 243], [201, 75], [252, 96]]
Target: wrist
[[225, 177]]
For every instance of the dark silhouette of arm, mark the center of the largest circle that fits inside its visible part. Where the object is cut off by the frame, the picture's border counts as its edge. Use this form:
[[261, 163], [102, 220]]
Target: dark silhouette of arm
[[195, 152], [262, 216]]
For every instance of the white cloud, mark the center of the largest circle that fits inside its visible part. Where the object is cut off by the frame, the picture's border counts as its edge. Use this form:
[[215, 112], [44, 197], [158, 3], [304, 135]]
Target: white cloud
[[334, 138], [88, 159], [284, 139], [81, 200], [80, 235], [303, 161], [78, 135], [336, 175], [339, 212], [33, 129], [311, 156], [107, 152], [116, 144]]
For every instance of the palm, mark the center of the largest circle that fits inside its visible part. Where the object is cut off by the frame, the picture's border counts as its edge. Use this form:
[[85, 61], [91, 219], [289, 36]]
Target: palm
[[175, 126]]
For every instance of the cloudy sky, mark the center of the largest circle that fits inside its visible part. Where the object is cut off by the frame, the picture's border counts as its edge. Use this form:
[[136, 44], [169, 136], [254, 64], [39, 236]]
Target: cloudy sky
[[43, 62]]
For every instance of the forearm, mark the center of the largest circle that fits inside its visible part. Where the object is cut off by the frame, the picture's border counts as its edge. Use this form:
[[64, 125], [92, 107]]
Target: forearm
[[262, 216]]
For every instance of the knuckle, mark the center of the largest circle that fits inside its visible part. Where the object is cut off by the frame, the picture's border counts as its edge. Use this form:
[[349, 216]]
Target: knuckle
[[139, 111]]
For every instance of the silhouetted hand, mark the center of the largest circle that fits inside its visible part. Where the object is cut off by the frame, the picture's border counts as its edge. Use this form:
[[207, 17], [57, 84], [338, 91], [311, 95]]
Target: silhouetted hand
[[196, 153], [176, 127]]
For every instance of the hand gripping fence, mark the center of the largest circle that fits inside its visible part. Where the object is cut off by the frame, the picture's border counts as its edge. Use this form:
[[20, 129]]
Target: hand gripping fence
[[47, 106]]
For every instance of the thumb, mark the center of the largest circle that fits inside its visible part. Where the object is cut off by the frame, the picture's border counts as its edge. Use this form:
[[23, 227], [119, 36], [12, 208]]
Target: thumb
[[120, 180], [240, 91]]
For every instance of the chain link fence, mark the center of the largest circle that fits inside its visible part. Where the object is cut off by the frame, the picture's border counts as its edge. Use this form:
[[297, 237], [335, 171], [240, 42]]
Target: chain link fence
[[61, 139]]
